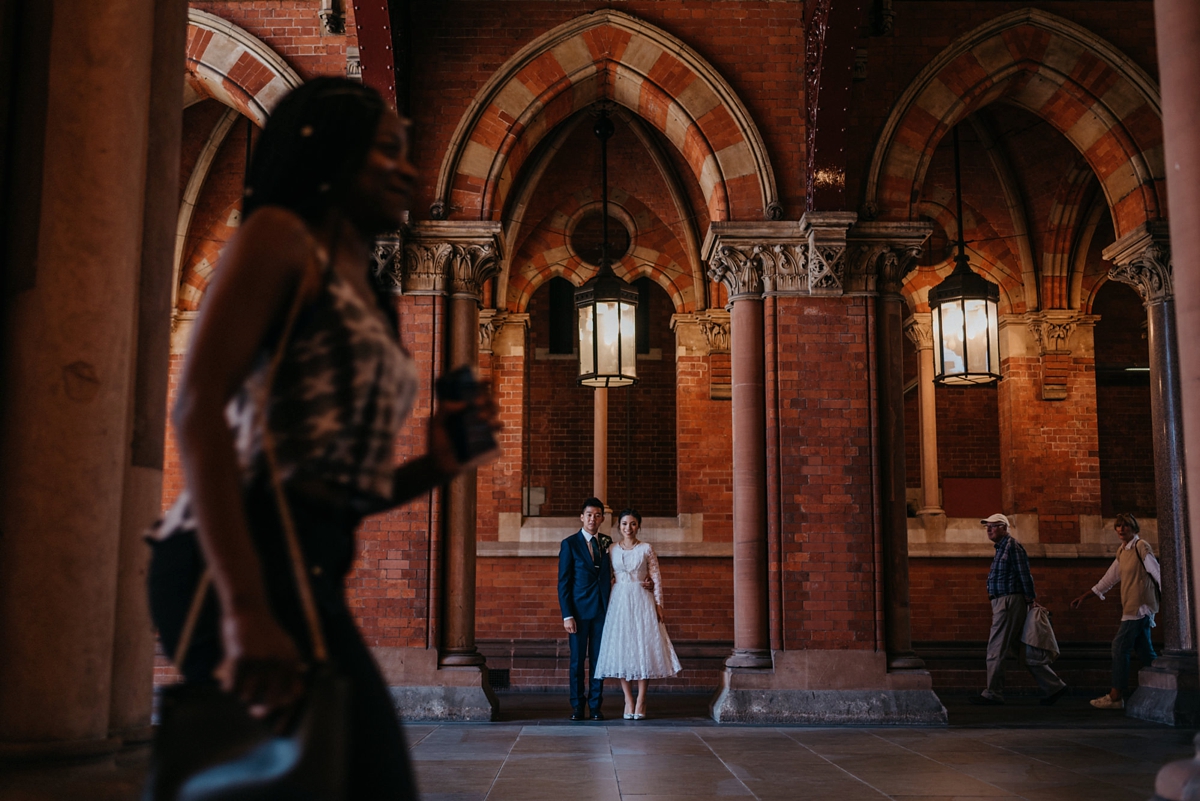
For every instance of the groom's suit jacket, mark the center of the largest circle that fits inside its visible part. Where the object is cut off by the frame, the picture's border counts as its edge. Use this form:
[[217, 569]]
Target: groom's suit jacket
[[583, 588]]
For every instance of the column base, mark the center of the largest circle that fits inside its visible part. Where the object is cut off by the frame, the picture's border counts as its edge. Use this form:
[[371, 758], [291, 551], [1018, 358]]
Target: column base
[[1168, 692], [827, 687], [422, 690], [470, 658], [906, 661], [750, 658]]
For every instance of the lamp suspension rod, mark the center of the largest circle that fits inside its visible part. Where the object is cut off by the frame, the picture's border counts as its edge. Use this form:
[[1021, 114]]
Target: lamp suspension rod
[[604, 195], [962, 245]]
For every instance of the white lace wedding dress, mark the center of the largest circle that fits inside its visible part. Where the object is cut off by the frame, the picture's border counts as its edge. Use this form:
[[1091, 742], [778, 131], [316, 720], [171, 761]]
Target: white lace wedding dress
[[635, 644]]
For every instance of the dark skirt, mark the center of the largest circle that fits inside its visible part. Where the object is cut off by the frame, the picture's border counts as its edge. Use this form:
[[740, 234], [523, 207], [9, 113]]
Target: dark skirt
[[379, 767]]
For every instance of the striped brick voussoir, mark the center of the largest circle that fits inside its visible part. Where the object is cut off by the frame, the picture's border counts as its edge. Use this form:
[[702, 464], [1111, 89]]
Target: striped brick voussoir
[[1102, 102], [607, 55]]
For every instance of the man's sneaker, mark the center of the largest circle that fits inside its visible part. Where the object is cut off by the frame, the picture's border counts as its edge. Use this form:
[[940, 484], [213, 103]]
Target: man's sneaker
[[983, 700], [1106, 702]]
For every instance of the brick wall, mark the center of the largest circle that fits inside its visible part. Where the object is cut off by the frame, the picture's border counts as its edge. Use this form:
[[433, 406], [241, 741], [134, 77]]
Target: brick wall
[[1126, 434], [949, 599], [1049, 449], [826, 477], [397, 572], [968, 432]]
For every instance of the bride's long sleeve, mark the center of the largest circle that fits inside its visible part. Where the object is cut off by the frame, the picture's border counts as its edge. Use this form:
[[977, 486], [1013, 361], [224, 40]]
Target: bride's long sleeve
[[655, 575]]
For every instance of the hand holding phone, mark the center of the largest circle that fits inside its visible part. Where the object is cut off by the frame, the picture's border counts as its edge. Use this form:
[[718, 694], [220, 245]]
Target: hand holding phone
[[470, 432]]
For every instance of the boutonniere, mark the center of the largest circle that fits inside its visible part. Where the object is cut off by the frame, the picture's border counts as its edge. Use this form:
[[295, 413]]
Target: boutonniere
[[605, 542]]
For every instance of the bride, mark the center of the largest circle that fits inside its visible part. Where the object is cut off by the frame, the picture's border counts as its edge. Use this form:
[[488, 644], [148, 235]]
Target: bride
[[635, 645]]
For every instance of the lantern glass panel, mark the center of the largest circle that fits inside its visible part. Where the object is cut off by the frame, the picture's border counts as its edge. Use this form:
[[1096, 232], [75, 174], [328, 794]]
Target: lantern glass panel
[[586, 366], [993, 337], [608, 329], [954, 356], [976, 313], [628, 341]]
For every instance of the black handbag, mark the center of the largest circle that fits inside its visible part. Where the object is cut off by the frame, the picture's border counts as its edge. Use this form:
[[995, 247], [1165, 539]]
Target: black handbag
[[208, 747]]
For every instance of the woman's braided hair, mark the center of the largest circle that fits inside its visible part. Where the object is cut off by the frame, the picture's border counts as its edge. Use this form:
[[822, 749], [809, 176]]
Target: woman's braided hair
[[313, 145], [315, 142]]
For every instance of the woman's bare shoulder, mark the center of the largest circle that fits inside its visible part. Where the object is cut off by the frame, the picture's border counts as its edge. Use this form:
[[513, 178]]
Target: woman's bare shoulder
[[279, 233]]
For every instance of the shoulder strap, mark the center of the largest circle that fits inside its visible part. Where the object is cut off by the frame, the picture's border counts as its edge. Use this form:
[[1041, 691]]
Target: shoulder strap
[[299, 571], [1142, 552]]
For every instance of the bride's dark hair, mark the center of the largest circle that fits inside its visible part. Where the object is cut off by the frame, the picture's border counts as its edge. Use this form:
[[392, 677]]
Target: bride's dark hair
[[629, 513]]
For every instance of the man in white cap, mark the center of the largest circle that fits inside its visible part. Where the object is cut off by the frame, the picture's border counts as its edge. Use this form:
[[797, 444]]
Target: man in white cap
[[1140, 576], [1010, 589]]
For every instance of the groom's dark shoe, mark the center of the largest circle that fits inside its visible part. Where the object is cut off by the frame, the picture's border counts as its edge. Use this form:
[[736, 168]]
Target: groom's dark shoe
[[577, 714], [597, 715]]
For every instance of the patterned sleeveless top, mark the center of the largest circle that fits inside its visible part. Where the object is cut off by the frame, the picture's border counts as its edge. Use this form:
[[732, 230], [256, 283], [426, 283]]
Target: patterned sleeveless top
[[340, 393]]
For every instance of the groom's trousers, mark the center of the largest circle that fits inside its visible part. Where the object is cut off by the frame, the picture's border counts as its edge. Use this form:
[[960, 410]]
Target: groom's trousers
[[586, 642]]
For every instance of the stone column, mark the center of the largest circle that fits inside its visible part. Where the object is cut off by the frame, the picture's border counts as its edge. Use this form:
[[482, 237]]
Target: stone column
[[471, 253], [1177, 28], [919, 329], [1168, 694], [133, 646], [740, 269], [890, 251], [600, 444], [889, 331], [69, 316]]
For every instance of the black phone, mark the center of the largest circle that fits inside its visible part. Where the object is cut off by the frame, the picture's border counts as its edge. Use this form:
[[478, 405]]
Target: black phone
[[470, 434]]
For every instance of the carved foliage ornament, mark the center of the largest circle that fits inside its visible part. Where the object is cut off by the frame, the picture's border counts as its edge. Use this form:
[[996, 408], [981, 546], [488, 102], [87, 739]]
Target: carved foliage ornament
[[715, 326], [387, 259], [739, 268], [1149, 273], [919, 328], [470, 267], [425, 267], [788, 269]]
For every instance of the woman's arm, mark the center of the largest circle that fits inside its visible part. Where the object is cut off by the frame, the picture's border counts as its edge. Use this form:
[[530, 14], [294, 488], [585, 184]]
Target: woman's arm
[[267, 262]]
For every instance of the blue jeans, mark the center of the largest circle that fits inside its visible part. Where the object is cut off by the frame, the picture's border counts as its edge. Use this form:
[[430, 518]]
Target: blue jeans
[[1133, 635]]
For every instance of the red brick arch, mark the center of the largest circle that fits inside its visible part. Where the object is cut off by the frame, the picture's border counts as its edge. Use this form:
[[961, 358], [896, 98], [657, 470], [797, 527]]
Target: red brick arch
[[607, 55], [1102, 102], [655, 254], [234, 67]]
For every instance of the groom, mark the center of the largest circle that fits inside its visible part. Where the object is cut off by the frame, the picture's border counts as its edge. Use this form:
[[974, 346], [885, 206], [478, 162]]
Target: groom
[[584, 582]]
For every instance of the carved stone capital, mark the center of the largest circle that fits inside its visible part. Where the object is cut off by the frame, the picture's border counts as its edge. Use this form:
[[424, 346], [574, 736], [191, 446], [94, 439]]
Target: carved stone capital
[[714, 324], [882, 254], [1053, 331], [739, 268], [750, 258], [1142, 259], [702, 333], [825, 242], [388, 259], [451, 257], [919, 328], [490, 321]]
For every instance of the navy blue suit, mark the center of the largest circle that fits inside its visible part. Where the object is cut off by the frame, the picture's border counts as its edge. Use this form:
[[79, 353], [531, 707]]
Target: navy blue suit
[[583, 590]]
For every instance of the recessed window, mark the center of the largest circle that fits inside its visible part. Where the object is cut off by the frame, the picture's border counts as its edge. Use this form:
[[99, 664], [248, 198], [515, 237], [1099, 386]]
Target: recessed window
[[562, 316]]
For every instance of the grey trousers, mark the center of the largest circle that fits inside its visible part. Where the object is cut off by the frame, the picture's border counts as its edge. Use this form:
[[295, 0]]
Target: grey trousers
[[1008, 622]]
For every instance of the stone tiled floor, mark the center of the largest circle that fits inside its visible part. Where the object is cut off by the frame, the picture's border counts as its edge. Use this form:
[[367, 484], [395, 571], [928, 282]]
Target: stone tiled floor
[[532, 752], [1021, 751]]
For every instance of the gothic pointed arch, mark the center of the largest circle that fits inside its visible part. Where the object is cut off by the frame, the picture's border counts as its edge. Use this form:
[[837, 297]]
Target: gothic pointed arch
[[607, 55], [1102, 102], [232, 66]]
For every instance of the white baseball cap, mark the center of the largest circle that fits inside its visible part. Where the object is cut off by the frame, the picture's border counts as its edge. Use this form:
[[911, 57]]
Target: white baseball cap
[[996, 518]]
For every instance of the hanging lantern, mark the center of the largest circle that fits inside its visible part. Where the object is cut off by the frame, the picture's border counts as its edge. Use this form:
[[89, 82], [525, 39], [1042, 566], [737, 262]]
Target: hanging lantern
[[606, 305], [966, 329]]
